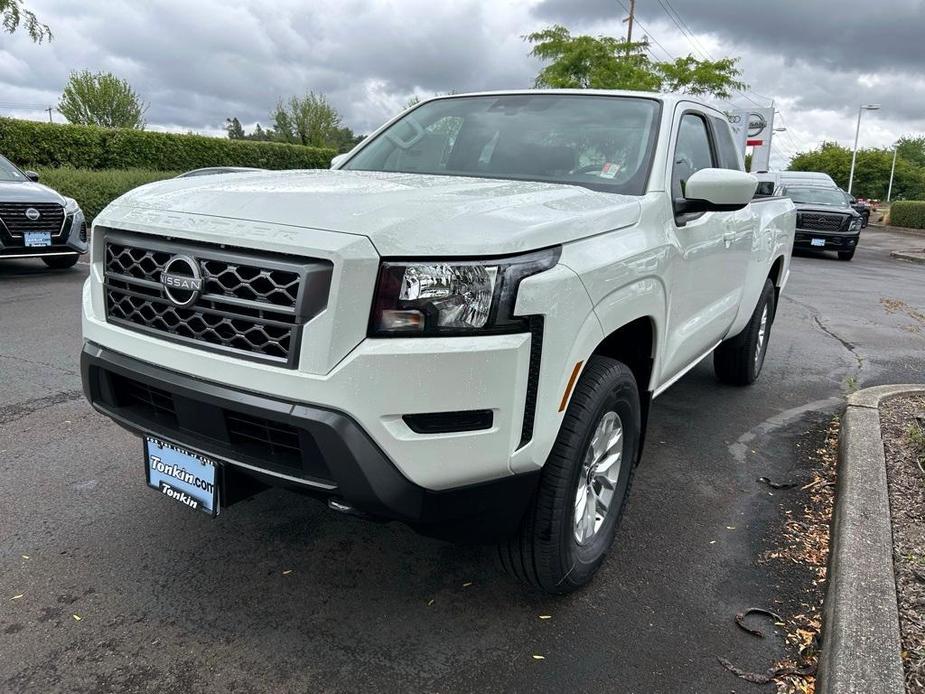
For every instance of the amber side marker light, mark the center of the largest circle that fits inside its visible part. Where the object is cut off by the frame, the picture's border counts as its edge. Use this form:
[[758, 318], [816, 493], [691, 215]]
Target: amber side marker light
[[571, 384]]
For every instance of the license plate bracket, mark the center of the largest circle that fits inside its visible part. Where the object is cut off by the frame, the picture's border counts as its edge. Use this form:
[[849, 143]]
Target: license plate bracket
[[183, 475], [36, 239]]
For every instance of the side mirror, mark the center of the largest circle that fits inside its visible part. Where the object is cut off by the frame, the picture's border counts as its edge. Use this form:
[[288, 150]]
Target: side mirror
[[717, 190], [32, 176], [338, 160]]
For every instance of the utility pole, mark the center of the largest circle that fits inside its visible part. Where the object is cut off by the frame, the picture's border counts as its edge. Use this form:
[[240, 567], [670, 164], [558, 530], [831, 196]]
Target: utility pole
[[889, 190], [49, 109], [629, 26]]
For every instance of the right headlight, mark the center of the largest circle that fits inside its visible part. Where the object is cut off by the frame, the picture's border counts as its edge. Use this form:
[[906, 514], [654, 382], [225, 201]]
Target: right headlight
[[453, 297]]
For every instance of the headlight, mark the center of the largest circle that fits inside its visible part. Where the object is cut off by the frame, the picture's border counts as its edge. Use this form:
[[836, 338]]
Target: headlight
[[70, 206], [856, 224], [453, 297]]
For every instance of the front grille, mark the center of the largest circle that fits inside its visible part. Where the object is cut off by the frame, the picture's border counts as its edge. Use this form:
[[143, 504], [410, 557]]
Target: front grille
[[264, 443], [15, 222], [822, 222], [277, 439], [251, 304], [156, 403]]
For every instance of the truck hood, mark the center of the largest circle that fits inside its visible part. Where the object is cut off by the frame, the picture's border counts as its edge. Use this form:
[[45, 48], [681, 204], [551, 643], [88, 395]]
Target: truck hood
[[401, 214], [27, 191], [827, 209]]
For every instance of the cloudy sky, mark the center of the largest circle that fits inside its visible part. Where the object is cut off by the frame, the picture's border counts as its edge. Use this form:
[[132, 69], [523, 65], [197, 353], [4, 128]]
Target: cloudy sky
[[199, 61]]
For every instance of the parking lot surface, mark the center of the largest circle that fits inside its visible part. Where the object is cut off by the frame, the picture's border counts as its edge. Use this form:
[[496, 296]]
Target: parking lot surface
[[122, 590]]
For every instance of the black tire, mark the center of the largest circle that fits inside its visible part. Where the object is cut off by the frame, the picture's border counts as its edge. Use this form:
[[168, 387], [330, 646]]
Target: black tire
[[60, 262], [738, 360], [846, 255], [546, 553]]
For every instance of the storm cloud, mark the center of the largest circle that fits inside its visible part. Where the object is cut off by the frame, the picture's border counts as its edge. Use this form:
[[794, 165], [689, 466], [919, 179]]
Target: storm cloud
[[199, 61]]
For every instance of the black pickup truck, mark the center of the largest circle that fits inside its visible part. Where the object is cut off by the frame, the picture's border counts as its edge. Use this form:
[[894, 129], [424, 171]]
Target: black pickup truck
[[825, 220], [36, 221]]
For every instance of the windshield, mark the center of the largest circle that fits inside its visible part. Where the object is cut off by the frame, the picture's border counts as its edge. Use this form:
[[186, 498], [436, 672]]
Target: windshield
[[600, 142], [8, 172], [817, 196]]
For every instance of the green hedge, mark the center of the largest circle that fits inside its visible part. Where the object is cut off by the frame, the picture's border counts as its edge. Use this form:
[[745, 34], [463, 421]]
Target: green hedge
[[32, 144], [93, 190], [908, 213]]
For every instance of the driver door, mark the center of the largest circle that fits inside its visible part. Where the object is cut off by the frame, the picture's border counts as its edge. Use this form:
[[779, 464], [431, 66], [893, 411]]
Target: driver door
[[702, 300]]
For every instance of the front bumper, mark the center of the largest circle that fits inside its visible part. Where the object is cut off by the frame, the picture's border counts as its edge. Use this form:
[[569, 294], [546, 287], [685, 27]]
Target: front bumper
[[333, 456], [73, 239], [834, 241]]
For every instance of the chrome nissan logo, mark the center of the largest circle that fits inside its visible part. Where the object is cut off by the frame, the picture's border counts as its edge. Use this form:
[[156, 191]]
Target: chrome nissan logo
[[33, 214], [756, 123], [182, 280]]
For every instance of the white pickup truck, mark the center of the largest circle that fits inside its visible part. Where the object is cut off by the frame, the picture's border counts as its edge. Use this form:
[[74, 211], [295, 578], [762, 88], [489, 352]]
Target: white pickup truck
[[460, 326]]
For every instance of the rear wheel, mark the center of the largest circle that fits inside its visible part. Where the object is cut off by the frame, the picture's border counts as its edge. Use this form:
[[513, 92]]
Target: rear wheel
[[572, 521], [846, 255], [60, 262], [738, 360]]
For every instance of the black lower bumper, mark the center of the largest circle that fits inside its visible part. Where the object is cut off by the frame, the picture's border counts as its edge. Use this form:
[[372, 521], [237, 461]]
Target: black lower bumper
[[841, 241], [265, 441]]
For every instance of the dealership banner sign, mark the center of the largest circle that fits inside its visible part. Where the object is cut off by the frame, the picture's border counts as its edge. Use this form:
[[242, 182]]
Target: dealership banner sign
[[753, 128]]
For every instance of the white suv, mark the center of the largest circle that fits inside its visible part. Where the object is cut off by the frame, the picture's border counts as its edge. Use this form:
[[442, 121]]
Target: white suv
[[460, 327]]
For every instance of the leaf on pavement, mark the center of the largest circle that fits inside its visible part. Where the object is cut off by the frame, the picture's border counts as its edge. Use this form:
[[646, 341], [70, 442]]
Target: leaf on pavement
[[539, 657], [76, 617], [17, 597], [740, 620], [545, 616], [777, 485]]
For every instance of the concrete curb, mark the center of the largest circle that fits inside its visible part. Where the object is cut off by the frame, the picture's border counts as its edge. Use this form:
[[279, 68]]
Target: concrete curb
[[861, 644], [911, 256]]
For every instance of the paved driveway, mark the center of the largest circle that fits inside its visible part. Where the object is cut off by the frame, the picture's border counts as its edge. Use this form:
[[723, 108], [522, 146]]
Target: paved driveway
[[280, 594]]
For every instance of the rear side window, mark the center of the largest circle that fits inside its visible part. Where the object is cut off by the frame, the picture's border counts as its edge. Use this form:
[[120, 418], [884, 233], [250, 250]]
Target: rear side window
[[729, 155], [692, 152]]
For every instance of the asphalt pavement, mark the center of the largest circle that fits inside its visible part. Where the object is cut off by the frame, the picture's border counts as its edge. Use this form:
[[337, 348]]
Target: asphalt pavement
[[122, 590]]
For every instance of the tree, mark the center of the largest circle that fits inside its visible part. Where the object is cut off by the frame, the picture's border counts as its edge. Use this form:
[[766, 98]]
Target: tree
[[234, 129], [12, 14], [912, 149], [604, 62], [871, 172], [308, 120], [101, 99]]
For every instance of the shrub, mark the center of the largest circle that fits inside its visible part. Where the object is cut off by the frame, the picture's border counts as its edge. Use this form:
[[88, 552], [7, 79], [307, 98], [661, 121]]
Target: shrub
[[31, 144], [908, 213], [93, 190]]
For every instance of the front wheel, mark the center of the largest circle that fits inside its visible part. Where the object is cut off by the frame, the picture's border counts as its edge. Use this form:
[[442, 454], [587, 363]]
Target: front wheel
[[738, 360], [846, 255], [60, 262], [573, 518]]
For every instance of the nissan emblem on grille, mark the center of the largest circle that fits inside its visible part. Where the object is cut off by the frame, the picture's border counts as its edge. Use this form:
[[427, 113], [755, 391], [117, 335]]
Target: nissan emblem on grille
[[32, 214], [182, 280]]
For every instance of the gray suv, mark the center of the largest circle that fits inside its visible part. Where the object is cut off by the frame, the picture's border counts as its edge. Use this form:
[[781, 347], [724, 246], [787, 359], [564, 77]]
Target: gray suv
[[37, 222]]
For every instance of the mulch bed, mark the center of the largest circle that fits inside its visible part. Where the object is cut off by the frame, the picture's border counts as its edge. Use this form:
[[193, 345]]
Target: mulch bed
[[902, 423]]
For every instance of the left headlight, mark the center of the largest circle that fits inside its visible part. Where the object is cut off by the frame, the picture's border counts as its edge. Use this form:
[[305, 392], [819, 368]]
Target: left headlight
[[429, 298], [70, 206]]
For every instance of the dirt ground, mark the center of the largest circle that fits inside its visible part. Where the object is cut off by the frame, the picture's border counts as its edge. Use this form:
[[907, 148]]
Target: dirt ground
[[903, 425]]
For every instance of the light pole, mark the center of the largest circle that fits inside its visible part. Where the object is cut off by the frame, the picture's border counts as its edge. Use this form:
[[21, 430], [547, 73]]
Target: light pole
[[857, 131], [889, 189]]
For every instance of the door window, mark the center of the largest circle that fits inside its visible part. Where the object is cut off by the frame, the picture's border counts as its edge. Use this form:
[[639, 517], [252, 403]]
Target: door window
[[692, 152], [729, 155]]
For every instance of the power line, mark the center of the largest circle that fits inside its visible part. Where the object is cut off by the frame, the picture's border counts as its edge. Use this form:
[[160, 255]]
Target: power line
[[678, 22], [648, 33]]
